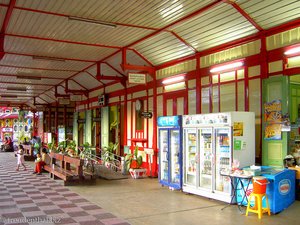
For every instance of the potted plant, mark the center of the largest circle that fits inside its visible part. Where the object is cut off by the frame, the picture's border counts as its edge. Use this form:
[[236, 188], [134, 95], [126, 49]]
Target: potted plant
[[134, 163], [71, 149], [108, 154]]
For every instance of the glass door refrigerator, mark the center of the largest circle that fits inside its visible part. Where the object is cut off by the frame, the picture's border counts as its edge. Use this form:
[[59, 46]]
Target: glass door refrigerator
[[170, 151], [206, 158], [211, 143]]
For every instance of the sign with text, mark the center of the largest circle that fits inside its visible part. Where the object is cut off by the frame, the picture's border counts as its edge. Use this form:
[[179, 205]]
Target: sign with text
[[7, 129], [137, 78], [147, 115]]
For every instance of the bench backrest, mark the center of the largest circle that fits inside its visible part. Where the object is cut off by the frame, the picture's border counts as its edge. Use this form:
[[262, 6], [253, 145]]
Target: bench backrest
[[76, 163], [57, 159], [28, 149]]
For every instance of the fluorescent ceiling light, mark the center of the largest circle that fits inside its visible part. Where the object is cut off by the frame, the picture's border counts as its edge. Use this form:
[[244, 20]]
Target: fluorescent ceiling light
[[16, 89], [226, 67], [9, 96], [29, 77], [98, 22], [175, 87], [173, 79], [292, 51], [48, 58]]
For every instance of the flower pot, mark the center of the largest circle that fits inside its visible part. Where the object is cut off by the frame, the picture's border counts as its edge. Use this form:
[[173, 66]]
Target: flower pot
[[137, 173]]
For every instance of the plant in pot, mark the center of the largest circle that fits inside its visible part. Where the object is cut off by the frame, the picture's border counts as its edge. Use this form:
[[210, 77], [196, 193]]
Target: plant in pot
[[134, 163], [108, 154], [71, 149]]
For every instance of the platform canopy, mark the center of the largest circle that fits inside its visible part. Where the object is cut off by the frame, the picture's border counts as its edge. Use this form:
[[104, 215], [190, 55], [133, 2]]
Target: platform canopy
[[64, 49]]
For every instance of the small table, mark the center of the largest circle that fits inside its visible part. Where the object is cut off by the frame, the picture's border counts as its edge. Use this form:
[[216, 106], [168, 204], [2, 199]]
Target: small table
[[235, 187]]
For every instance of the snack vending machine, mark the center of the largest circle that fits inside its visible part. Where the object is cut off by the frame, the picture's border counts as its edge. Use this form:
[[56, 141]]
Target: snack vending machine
[[170, 151], [211, 143]]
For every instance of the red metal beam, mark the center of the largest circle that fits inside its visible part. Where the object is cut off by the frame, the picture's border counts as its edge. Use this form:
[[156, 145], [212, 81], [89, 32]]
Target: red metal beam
[[209, 6], [14, 75], [244, 14], [78, 92], [140, 55], [11, 6], [70, 59], [64, 41], [38, 68], [8, 82], [283, 27], [102, 77], [137, 67], [196, 13], [93, 77], [184, 41], [64, 15], [79, 84], [50, 96], [113, 68]]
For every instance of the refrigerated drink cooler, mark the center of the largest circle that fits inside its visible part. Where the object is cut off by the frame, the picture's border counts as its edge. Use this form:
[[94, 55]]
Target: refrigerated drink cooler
[[170, 151], [211, 143]]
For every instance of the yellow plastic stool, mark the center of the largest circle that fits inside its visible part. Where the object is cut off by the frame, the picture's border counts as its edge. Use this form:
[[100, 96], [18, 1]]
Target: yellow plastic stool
[[257, 208]]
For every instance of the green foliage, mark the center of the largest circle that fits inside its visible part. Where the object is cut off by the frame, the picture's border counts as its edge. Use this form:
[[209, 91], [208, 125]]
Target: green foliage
[[21, 136], [109, 151], [51, 146], [66, 147], [86, 151], [133, 160]]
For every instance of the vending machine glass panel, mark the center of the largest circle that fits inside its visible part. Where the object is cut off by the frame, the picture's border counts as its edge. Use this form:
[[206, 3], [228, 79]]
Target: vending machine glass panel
[[190, 163], [206, 157], [174, 156], [223, 158], [164, 151]]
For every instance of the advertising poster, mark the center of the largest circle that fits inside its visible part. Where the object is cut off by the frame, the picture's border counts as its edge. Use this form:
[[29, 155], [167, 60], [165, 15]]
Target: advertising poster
[[273, 113], [273, 131], [238, 128], [273, 119]]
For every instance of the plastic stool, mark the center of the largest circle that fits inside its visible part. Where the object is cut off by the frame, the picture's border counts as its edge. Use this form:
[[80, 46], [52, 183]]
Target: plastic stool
[[257, 208]]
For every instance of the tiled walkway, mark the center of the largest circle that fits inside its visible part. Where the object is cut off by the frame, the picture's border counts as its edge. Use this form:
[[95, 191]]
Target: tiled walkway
[[26, 198]]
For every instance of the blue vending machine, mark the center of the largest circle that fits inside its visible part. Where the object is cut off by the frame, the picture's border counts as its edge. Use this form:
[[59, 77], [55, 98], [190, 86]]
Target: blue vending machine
[[280, 190], [170, 151]]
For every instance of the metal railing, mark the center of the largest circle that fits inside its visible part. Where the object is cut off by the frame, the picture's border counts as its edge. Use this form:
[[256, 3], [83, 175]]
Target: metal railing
[[109, 160]]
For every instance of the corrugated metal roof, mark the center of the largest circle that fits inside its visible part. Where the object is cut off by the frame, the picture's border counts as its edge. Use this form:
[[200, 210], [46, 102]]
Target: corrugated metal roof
[[270, 14], [162, 48], [150, 32], [214, 27]]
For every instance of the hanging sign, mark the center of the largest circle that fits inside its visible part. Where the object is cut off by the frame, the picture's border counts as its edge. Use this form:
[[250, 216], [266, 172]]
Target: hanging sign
[[101, 100], [137, 78], [165, 121], [147, 115], [7, 129]]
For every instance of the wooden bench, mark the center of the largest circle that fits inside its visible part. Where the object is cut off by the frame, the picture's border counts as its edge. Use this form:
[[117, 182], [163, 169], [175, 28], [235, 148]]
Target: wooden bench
[[57, 163], [28, 153], [67, 168]]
